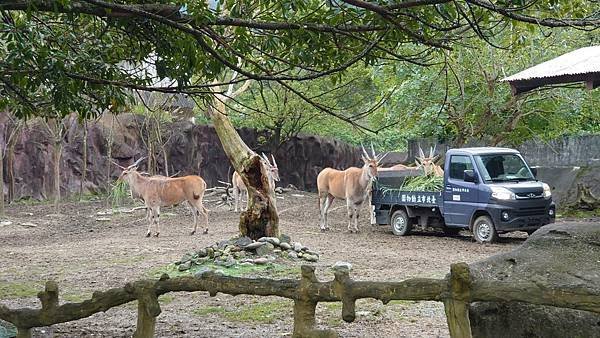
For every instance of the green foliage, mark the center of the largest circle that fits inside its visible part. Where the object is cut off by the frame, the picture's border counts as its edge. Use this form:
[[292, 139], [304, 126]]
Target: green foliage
[[416, 183], [57, 59], [423, 183], [118, 193]]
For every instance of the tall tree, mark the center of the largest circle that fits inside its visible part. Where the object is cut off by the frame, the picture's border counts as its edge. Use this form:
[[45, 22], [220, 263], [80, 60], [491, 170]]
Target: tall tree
[[67, 56]]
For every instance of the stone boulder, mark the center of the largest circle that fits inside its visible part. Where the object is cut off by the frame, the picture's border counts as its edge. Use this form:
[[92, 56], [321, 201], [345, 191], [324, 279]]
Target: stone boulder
[[563, 255]]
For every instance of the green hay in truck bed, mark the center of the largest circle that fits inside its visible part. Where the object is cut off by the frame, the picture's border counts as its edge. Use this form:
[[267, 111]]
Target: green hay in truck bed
[[423, 183]]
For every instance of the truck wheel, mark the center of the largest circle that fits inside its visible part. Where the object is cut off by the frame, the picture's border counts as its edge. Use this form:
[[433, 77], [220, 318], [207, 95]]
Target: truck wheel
[[484, 230], [401, 224]]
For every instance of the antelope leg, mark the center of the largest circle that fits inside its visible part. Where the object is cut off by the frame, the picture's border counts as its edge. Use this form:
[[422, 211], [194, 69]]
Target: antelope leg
[[150, 219], [157, 221]]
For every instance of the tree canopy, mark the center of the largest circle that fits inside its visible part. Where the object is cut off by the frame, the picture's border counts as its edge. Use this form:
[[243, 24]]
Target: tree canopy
[[65, 56]]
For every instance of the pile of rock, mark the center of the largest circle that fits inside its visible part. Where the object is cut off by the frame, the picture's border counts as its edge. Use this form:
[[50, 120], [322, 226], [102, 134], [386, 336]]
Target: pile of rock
[[245, 251]]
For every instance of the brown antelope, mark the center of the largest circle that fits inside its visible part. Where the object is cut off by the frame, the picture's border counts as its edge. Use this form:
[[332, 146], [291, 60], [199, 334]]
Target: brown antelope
[[352, 184], [428, 163], [239, 188], [161, 191]]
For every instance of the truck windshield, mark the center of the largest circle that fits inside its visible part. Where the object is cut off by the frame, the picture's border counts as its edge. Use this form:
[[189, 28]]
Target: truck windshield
[[503, 168]]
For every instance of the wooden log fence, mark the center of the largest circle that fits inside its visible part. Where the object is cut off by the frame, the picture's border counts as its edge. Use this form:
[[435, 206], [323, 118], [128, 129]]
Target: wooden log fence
[[456, 291]]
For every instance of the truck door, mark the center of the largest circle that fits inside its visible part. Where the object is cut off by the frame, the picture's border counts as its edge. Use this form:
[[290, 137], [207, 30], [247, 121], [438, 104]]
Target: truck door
[[460, 197]]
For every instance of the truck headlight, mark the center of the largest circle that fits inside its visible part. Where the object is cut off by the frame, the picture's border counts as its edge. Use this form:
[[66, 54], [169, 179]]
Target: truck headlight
[[501, 193], [547, 192]]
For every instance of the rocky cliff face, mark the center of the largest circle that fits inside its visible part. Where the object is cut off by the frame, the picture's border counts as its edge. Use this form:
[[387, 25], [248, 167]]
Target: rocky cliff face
[[191, 149]]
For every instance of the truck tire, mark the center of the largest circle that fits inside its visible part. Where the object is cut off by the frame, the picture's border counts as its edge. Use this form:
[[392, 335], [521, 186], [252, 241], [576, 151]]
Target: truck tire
[[401, 224], [484, 230]]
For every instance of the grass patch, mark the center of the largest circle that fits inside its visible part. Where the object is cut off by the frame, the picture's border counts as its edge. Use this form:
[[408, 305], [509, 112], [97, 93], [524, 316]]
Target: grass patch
[[208, 310], [266, 313], [578, 213], [333, 306], [75, 297], [273, 270], [126, 260], [166, 299], [19, 290]]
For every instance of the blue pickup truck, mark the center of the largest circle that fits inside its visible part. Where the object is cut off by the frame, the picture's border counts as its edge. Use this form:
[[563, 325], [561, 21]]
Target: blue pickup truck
[[486, 190]]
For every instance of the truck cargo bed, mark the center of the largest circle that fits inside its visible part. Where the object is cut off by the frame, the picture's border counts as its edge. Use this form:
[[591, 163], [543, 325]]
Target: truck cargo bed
[[387, 189]]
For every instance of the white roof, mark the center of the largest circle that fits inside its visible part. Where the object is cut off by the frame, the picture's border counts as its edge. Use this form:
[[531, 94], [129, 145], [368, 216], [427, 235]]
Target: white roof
[[580, 61]]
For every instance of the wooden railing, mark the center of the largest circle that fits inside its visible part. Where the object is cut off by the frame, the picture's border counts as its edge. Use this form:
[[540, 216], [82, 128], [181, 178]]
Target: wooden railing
[[457, 291]]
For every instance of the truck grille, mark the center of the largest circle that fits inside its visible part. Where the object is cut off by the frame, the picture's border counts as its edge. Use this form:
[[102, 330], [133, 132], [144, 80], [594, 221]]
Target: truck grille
[[533, 211], [529, 195]]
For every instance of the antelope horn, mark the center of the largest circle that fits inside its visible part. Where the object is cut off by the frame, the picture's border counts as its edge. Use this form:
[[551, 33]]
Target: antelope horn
[[266, 159], [421, 154], [136, 163], [382, 157], [430, 152], [274, 163], [365, 154], [434, 147], [373, 151], [118, 165]]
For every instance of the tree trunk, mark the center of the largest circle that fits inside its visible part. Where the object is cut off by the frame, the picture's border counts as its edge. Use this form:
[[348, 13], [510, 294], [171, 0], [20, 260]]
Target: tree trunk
[[260, 219], [56, 159], [109, 153], [10, 159], [83, 160], [2, 155], [10, 171], [165, 160]]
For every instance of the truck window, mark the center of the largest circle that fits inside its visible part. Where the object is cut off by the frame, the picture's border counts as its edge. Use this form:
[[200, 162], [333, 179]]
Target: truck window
[[503, 167], [458, 165]]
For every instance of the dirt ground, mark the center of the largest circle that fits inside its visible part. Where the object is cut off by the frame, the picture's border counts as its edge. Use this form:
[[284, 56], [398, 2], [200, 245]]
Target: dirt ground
[[84, 254]]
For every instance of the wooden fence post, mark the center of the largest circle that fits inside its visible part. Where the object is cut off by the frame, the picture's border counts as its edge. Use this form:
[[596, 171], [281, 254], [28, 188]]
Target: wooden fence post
[[23, 332], [148, 310], [304, 308], [456, 304]]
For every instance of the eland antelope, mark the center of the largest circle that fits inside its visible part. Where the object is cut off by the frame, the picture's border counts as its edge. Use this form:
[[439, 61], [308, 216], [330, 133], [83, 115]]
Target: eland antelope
[[161, 191], [352, 184]]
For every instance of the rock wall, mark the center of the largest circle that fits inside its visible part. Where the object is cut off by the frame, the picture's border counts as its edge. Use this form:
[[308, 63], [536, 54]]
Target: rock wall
[[191, 149]]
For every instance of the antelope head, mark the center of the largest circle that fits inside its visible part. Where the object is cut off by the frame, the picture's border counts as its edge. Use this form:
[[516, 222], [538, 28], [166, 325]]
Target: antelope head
[[271, 167], [371, 161], [127, 170], [427, 163]]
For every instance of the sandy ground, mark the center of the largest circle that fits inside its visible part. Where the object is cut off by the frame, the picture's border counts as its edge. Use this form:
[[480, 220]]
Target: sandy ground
[[83, 254]]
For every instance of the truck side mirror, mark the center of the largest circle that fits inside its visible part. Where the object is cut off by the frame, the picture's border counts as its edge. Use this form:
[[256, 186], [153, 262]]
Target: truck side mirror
[[469, 176], [534, 171]]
